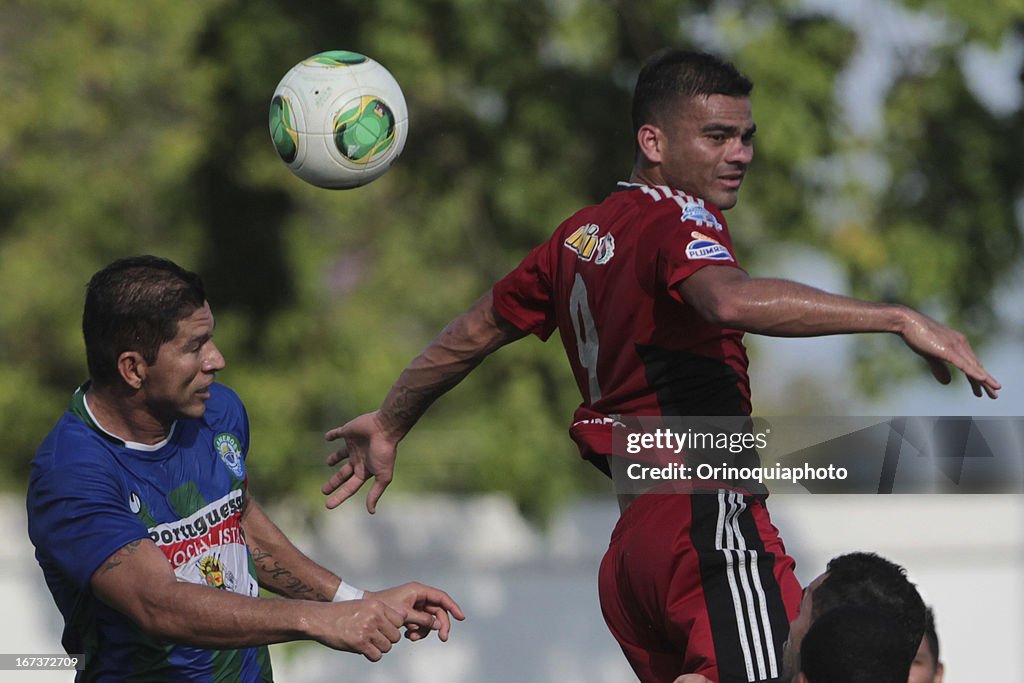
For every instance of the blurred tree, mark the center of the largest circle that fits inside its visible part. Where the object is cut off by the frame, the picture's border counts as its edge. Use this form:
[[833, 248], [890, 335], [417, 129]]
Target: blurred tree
[[146, 132]]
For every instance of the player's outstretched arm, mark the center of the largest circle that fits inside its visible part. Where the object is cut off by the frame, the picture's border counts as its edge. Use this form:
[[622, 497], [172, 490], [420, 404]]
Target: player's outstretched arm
[[731, 298], [371, 440], [138, 582]]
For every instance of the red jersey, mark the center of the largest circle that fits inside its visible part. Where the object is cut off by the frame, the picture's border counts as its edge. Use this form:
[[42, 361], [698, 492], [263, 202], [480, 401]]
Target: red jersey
[[606, 280]]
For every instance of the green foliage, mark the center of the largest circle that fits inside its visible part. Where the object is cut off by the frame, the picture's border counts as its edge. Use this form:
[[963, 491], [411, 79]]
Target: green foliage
[[145, 132]]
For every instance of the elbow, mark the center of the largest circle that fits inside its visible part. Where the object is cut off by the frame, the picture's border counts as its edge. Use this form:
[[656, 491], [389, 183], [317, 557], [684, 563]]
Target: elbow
[[722, 310], [154, 621], [156, 616]]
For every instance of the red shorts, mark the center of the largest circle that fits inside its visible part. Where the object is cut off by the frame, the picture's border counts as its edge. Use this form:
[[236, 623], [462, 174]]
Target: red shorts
[[701, 584]]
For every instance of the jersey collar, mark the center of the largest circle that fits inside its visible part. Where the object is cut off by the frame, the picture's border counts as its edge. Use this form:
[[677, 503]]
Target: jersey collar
[[80, 409]]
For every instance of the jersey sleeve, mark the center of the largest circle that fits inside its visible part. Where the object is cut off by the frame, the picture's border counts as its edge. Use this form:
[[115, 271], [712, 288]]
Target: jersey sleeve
[[226, 413], [227, 419], [524, 296], [79, 516], [685, 241]]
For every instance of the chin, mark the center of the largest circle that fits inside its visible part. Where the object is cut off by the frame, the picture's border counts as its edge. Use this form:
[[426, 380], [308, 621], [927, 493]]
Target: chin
[[194, 411], [726, 202]]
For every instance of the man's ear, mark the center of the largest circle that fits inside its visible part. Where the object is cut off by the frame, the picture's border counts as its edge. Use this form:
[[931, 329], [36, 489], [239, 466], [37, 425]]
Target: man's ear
[[649, 140], [133, 368], [801, 678]]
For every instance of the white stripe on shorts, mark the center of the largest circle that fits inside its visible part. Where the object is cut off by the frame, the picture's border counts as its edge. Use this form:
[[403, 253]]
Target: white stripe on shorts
[[742, 573]]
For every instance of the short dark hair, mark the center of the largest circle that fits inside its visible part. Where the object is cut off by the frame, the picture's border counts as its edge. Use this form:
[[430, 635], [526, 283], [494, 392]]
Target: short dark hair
[[134, 304], [672, 73], [932, 635], [854, 645], [870, 581]]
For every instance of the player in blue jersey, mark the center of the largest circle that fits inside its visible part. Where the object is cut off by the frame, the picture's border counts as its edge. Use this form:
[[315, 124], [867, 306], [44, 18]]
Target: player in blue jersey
[[139, 509]]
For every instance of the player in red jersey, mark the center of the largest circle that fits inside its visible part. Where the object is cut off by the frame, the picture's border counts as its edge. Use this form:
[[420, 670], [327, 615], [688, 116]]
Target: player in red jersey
[[651, 305]]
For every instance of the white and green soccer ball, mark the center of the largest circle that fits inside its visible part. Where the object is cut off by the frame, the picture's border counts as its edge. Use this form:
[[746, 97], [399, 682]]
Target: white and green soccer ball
[[338, 119]]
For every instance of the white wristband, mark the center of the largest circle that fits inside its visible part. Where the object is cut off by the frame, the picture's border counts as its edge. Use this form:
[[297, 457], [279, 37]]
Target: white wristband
[[348, 592]]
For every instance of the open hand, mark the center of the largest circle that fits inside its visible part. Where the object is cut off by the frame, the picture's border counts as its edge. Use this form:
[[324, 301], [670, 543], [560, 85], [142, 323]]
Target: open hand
[[369, 451]]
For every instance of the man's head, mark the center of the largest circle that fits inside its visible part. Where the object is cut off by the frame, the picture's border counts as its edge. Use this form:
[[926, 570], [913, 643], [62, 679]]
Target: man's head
[[693, 125], [148, 330], [926, 667], [853, 645], [859, 580]]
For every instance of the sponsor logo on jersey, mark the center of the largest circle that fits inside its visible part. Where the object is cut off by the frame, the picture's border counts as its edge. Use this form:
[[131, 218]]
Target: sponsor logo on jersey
[[584, 241], [134, 503], [701, 216], [705, 247], [193, 536], [229, 448], [612, 420], [605, 250]]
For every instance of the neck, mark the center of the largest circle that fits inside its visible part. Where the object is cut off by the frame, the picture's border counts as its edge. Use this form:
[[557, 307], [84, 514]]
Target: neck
[[644, 176], [124, 415]]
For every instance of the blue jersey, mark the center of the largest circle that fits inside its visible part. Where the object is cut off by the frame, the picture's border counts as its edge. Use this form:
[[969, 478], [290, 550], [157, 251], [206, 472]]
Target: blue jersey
[[91, 493]]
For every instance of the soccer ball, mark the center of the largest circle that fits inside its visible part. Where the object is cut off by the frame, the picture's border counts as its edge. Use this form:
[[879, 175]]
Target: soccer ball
[[338, 119]]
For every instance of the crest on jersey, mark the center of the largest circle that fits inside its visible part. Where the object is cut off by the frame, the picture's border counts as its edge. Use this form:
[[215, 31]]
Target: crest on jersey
[[701, 216], [605, 250], [229, 448], [585, 242], [705, 247], [212, 571]]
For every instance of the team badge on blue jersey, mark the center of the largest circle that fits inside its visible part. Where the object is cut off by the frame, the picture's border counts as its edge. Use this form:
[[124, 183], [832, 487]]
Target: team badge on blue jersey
[[705, 247], [213, 573], [701, 216], [229, 449]]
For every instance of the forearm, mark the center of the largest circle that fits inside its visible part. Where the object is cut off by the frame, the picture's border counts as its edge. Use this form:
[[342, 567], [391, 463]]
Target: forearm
[[203, 617], [281, 567], [460, 347], [138, 582], [785, 308]]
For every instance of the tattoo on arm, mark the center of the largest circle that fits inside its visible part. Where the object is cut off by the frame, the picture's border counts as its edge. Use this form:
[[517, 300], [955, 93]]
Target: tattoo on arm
[[271, 572], [460, 347], [117, 558], [408, 406]]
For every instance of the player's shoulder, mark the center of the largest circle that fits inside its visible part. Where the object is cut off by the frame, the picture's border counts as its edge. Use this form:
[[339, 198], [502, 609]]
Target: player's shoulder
[[661, 202], [73, 444], [630, 204]]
